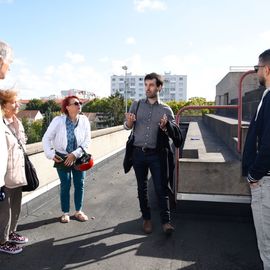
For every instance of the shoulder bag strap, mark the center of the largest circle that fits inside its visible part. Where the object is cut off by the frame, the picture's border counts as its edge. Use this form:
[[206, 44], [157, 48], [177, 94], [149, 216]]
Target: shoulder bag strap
[[15, 137], [136, 114]]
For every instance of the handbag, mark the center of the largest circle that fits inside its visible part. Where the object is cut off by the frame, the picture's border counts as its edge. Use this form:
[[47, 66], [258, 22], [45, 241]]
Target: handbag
[[127, 163], [30, 171], [31, 175], [85, 162]]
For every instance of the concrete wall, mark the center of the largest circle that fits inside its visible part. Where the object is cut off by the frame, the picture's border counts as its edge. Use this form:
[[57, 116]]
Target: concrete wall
[[104, 142], [230, 84], [207, 166]]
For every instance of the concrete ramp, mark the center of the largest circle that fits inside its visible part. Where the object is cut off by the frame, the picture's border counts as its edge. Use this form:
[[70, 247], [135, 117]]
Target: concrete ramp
[[208, 166]]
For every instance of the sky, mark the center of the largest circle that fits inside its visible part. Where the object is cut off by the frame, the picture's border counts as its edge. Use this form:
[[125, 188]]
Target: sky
[[78, 44]]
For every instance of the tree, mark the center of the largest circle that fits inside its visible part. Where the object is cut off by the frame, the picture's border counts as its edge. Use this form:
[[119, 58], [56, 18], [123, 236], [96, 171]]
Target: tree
[[33, 130], [176, 105], [50, 105], [113, 106], [34, 104], [117, 108]]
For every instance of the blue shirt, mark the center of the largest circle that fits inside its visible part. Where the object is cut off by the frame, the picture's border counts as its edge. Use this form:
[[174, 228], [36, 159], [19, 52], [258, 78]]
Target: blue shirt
[[71, 139]]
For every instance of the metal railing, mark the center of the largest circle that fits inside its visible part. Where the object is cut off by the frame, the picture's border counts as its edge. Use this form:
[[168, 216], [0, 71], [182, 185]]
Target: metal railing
[[200, 107]]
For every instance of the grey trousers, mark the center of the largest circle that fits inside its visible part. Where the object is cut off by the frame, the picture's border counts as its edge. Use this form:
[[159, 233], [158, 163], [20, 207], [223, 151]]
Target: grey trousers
[[10, 210], [260, 205]]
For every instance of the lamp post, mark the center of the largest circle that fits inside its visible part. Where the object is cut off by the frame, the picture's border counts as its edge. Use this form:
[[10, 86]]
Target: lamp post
[[125, 68]]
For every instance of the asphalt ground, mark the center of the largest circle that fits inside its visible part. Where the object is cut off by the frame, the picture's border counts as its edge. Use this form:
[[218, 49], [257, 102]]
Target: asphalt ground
[[208, 236]]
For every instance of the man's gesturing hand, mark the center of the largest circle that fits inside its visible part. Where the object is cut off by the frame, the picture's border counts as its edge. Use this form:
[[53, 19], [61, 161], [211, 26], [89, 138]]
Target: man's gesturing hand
[[130, 119]]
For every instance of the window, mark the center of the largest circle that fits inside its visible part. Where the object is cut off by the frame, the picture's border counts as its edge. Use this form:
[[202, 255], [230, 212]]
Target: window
[[226, 99]]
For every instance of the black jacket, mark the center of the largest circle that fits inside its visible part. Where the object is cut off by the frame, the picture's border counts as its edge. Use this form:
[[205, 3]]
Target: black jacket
[[165, 151], [256, 155]]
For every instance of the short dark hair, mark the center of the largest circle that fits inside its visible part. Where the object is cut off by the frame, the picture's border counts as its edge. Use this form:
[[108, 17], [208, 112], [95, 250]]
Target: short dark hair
[[153, 75], [265, 57]]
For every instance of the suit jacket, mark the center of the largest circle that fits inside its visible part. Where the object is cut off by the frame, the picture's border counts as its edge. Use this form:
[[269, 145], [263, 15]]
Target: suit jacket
[[256, 155], [166, 153]]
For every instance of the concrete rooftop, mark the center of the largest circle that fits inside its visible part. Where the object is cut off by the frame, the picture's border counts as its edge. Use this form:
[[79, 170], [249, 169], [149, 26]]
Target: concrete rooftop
[[209, 236]]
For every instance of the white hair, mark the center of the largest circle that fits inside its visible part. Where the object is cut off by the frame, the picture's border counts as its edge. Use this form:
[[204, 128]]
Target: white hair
[[6, 52]]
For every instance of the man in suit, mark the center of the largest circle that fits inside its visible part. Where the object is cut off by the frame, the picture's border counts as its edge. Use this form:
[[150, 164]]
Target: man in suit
[[256, 161]]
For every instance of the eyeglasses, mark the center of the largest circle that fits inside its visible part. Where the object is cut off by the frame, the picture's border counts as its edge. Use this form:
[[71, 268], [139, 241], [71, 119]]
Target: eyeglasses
[[256, 68], [76, 103]]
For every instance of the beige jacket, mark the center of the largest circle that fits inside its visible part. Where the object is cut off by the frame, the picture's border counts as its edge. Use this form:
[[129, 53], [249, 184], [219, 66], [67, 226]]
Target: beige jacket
[[3, 158], [15, 175]]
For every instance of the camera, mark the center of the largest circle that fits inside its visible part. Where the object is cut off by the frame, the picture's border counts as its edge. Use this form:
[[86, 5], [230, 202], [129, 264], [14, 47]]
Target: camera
[[2, 194]]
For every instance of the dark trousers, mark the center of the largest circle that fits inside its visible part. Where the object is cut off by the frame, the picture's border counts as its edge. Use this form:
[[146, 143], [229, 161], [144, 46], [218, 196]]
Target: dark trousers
[[10, 209], [142, 162]]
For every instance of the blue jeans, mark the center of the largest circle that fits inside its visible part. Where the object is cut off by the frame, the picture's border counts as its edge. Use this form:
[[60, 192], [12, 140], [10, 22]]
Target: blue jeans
[[142, 162], [78, 181], [260, 205]]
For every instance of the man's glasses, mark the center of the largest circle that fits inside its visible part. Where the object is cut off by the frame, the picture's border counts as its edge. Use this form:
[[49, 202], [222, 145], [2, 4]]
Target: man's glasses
[[256, 68], [76, 103]]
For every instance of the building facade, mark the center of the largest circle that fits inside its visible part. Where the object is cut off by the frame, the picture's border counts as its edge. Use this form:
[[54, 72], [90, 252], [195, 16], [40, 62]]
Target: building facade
[[79, 93], [227, 94], [174, 87]]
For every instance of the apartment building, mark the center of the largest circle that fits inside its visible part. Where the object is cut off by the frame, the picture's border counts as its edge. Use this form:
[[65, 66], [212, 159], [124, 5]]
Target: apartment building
[[79, 93], [174, 87]]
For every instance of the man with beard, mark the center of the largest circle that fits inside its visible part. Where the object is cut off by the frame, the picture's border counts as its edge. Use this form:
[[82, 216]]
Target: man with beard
[[256, 161], [153, 123], [5, 61]]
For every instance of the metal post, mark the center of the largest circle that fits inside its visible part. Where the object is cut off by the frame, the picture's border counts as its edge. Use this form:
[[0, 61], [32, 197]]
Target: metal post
[[125, 68]]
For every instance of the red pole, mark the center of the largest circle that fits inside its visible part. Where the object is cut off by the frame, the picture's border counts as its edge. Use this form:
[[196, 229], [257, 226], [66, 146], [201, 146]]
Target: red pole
[[240, 110]]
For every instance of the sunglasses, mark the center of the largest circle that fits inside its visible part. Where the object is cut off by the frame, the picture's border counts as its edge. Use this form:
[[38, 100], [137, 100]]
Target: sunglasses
[[76, 103], [256, 68]]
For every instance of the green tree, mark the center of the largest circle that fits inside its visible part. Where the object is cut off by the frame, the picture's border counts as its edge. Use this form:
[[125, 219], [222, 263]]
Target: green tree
[[198, 101], [50, 105], [176, 105], [48, 117], [96, 105], [116, 108], [113, 106], [34, 104], [33, 130]]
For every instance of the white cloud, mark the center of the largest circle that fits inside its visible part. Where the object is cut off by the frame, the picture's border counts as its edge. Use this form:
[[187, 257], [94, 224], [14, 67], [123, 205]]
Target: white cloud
[[201, 78], [19, 61], [265, 36], [54, 78], [104, 59], [75, 58], [143, 5], [134, 64], [130, 40]]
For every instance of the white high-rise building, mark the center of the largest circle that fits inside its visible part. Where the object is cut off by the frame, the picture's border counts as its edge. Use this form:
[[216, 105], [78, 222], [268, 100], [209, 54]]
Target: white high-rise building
[[79, 93], [174, 87]]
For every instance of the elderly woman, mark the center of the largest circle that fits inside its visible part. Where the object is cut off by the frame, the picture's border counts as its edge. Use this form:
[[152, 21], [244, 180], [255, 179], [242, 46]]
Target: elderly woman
[[10, 207], [63, 143], [5, 61]]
